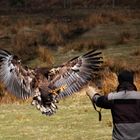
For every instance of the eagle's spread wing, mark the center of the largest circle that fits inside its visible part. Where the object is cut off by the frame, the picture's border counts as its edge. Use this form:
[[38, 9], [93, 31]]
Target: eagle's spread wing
[[17, 79], [24, 82], [75, 73]]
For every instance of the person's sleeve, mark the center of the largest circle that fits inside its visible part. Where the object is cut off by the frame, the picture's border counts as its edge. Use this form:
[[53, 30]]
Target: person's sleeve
[[102, 101]]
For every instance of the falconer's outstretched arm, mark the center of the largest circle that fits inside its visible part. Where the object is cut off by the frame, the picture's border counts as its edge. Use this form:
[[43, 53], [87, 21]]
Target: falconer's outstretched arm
[[100, 100]]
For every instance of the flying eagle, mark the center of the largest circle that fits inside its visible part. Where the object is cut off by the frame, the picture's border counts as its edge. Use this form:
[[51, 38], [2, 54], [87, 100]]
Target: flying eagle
[[48, 87]]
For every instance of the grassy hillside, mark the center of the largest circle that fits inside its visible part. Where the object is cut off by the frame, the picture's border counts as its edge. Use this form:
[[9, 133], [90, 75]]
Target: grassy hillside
[[43, 39]]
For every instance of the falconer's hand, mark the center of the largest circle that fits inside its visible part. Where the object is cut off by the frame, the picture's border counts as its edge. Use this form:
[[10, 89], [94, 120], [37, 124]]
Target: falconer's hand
[[91, 91]]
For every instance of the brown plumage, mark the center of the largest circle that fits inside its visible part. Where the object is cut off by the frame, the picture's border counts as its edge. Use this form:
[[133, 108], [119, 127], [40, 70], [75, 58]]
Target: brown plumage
[[47, 86]]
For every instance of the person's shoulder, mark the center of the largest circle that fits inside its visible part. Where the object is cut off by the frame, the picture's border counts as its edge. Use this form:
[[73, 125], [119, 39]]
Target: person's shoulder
[[112, 95], [124, 95], [137, 92], [133, 94]]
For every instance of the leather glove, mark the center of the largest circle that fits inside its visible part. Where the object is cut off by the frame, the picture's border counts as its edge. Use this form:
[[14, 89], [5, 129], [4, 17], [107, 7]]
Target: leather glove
[[93, 94], [91, 91]]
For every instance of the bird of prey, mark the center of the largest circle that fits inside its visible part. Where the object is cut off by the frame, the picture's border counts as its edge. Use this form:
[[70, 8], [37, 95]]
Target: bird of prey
[[48, 87]]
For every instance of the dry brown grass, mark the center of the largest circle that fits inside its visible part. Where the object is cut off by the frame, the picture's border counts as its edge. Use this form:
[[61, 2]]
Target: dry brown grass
[[58, 33], [24, 22], [25, 43], [6, 97], [125, 37], [113, 67], [24, 38], [106, 16], [137, 80], [109, 81], [5, 21], [85, 45], [116, 65], [55, 33], [117, 17], [96, 44], [1, 91], [135, 52], [95, 19], [45, 55]]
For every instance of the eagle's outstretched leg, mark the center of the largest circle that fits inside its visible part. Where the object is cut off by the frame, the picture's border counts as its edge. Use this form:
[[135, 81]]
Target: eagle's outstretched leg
[[46, 103]]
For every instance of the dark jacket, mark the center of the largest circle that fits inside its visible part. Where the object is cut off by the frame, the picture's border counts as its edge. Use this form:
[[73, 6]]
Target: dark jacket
[[125, 109]]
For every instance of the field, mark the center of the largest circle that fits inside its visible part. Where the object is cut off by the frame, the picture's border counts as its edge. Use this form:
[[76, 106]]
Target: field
[[75, 119], [51, 38]]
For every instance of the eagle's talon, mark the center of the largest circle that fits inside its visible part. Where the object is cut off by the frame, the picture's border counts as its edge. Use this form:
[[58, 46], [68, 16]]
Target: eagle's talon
[[62, 88], [57, 90]]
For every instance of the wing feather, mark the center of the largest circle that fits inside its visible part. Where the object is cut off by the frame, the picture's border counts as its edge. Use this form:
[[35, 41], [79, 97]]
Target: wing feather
[[16, 79], [77, 72]]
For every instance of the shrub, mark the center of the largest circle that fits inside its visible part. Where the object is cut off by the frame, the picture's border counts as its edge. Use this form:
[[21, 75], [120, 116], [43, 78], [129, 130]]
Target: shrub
[[94, 20], [17, 3], [118, 18], [5, 21], [124, 37], [137, 80], [45, 55], [135, 52], [96, 44], [116, 65], [109, 81], [25, 43], [1, 90], [54, 33], [84, 45]]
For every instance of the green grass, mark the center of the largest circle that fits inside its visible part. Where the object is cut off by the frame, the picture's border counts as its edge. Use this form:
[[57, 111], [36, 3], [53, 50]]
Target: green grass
[[75, 120]]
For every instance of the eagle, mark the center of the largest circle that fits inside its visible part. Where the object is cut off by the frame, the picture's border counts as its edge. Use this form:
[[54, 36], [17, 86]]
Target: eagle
[[47, 86]]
